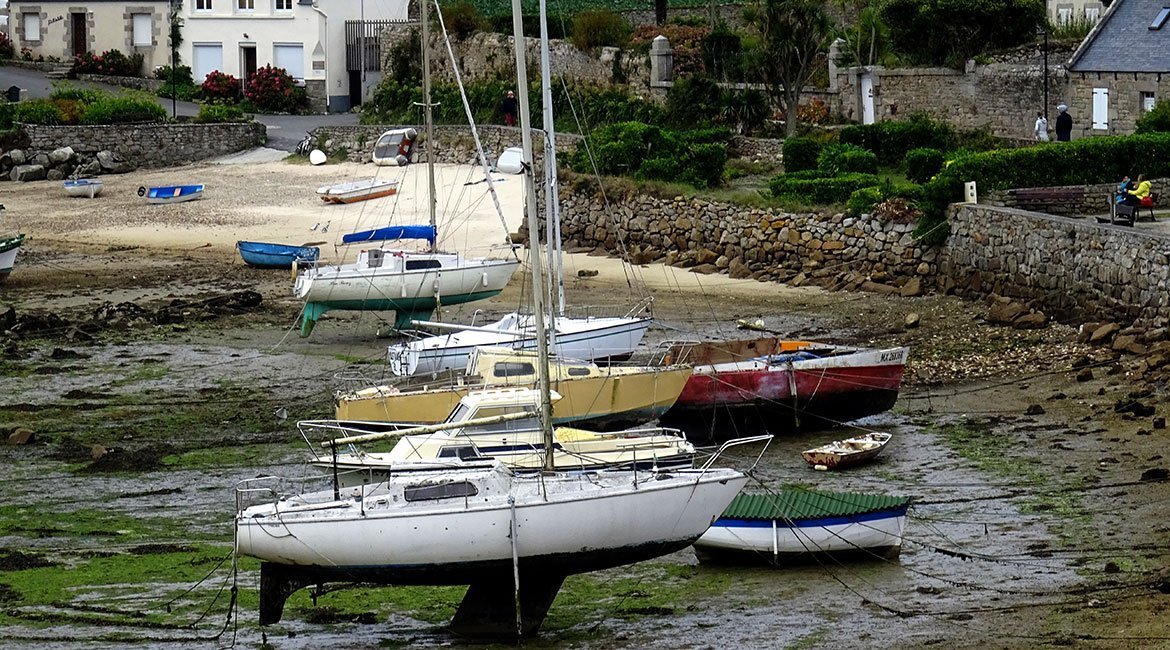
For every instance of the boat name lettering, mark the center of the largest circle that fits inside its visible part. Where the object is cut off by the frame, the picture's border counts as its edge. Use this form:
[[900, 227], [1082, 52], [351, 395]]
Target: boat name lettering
[[895, 355]]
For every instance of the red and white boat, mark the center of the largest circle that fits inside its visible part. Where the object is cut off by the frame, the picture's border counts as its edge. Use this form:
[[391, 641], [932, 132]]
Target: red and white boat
[[785, 384]]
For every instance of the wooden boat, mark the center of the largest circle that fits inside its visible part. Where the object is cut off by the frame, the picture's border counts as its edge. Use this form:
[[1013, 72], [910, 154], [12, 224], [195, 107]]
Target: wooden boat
[[171, 193], [600, 398], [793, 525], [9, 246], [83, 187], [275, 256], [847, 453], [354, 191], [395, 147], [785, 384]]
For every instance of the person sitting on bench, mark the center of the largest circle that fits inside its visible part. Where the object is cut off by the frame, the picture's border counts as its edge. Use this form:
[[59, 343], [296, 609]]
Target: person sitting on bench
[[1133, 196]]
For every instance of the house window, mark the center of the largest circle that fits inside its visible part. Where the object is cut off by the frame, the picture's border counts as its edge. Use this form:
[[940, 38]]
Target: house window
[[1064, 15], [1092, 14], [1160, 19], [1148, 101], [142, 30], [245, 5], [283, 5], [32, 27], [202, 5]]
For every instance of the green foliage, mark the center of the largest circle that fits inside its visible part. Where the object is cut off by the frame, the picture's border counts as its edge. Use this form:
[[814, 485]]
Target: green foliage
[[110, 62], [891, 140], [922, 163], [648, 152], [693, 101], [76, 93], [862, 201], [209, 113], [947, 32], [7, 50], [801, 154], [405, 60], [7, 110], [722, 51], [37, 111], [126, 107], [820, 190], [560, 26], [600, 28], [793, 34], [1156, 120], [867, 38], [1075, 29], [182, 75], [462, 20], [846, 158], [743, 110]]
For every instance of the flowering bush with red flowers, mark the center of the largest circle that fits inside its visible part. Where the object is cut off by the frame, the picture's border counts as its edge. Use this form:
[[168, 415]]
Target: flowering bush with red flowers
[[221, 87], [272, 89], [110, 62]]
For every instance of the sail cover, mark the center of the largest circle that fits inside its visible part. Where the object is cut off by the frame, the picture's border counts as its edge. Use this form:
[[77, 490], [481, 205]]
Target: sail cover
[[392, 232]]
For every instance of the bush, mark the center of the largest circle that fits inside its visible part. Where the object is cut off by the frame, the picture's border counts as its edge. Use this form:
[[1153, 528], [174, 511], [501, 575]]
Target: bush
[[7, 50], [7, 110], [862, 201], [801, 154], [127, 107], [462, 19], [182, 75], [693, 101], [273, 89], [560, 26], [1156, 120], [891, 140], [37, 111], [845, 158], [813, 112], [651, 153], [110, 62], [214, 113], [687, 41], [220, 86], [922, 163], [76, 93], [949, 32], [600, 29], [832, 190]]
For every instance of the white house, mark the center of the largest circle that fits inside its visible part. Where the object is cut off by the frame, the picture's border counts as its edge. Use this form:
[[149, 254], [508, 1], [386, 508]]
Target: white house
[[53, 28], [1070, 11], [307, 38]]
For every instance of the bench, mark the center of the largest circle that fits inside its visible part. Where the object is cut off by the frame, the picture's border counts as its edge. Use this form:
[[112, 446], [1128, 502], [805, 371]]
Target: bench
[[1149, 202], [1052, 200]]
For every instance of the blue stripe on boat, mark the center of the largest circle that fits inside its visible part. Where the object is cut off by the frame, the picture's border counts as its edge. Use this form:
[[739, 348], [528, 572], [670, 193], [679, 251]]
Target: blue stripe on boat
[[392, 232]]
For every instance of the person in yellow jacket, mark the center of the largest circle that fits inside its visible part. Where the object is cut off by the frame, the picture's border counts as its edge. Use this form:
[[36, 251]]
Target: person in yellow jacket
[[1141, 191]]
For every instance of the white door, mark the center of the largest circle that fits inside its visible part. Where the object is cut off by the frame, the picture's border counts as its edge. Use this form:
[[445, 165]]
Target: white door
[[206, 58], [867, 107], [1101, 109], [291, 57]]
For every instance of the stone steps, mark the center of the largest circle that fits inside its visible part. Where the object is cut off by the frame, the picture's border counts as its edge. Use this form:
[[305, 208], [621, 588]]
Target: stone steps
[[60, 72]]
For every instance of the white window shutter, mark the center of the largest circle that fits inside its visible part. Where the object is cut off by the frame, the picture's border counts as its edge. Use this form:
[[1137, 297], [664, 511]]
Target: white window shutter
[[142, 30], [290, 57], [1101, 109]]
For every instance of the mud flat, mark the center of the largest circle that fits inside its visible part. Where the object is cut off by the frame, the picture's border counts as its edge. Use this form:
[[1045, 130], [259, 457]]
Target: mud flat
[[1039, 516]]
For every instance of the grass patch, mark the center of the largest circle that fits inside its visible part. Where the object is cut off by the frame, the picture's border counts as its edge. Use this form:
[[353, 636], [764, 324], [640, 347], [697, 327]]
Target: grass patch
[[117, 526]]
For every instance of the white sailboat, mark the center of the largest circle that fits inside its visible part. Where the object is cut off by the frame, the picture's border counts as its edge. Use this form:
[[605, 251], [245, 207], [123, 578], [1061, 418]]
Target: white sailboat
[[590, 338], [411, 283], [513, 537]]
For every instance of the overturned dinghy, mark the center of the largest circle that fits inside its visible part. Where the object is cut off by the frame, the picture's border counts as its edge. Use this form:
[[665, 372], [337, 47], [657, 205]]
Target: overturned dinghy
[[83, 187], [395, 147]]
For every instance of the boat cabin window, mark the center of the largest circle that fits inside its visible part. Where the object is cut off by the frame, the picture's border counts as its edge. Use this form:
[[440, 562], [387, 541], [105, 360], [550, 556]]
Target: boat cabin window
[[374, 258], [463, 452], [513, 369], [414, 265], [388, 145], [578, 371], [448, 490], [521, 424]]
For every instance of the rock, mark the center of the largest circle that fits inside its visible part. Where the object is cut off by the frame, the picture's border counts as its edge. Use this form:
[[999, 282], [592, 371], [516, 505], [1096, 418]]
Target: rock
[[1033, 320], [18, 157], [913, 287], [738, 270], [1034, 409], [59, 354], [41, 159], [106, 160], [1111, 567], [61, 155], [877, 287], [704, 256], [7, 318], [587, 273], [93, 168], [705, 269], [54, 175], [1005, 311], [1104, 333], [912, 321], [1128, 343], [97, 451], [1155, 474], [1086, 330], [1159, 423], [1085, 375], [23, 173], [21, 436]]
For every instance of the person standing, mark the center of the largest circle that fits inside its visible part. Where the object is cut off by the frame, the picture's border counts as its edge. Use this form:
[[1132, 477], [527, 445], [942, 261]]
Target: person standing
[[510, 108], [1063, 124], [1041, 129]]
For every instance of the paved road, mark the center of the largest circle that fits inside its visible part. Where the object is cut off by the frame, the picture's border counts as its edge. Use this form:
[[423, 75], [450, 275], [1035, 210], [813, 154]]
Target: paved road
[[284, 131]]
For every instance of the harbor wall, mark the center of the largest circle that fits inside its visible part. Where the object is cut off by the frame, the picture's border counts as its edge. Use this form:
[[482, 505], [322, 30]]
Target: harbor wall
[[150, 145]]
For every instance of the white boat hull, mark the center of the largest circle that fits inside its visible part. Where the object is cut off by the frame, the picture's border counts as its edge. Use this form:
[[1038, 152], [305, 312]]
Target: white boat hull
[[777, 538], [7, 260], [586, 339]]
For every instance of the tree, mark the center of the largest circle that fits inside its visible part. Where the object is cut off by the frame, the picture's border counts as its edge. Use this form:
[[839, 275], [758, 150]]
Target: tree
[[792, 34], [660, 12], [865, 33], [948, 32]]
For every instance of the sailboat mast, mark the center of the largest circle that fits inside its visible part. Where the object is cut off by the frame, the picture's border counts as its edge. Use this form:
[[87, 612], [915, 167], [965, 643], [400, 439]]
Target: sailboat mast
[[533, 234], [552, 203], [428, 117]]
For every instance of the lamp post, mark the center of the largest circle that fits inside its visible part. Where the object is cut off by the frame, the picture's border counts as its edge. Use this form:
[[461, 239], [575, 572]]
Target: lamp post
[[1043, 31]]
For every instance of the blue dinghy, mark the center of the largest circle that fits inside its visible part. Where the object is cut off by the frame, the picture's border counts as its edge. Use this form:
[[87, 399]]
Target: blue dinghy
[[171, 193], [275, 256]]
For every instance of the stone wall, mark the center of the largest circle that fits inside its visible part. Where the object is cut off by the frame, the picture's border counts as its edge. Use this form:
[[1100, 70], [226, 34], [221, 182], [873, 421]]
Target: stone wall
[[1127, 91], [150, 145], [136, 83], [1077, 200], [1068, 267], [455, 143]]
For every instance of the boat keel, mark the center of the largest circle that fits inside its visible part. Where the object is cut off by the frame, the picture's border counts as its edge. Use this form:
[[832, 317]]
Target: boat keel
[[488, 609], [277, 583]]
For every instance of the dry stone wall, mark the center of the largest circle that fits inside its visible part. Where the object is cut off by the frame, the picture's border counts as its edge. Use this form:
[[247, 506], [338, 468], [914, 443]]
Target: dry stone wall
[[455, 144], [150, 145]]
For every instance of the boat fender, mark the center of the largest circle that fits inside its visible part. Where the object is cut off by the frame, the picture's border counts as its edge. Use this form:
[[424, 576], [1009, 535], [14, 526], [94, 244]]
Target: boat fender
[[294, 268], [821, 468], [141, 191]]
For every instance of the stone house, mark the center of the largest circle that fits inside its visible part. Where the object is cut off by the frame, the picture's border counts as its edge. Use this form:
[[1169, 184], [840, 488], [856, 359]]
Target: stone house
[[318, 43], [62, 30], [1068, 11], [1122, 68]]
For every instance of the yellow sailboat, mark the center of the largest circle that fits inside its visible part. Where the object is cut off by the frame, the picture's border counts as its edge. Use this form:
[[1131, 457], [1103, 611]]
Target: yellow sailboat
[[604, 398]]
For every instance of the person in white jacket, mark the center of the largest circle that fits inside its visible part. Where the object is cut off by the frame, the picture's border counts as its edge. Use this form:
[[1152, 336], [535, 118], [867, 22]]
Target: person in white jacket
[[1041, 129]]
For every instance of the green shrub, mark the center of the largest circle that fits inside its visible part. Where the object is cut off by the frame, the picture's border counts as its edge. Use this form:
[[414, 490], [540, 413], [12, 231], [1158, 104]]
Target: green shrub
[[823, 191], [462, 19], [76, 93], [949, 32], [652, 153], [922, 163], [862, 201], [693, 101], [845, 158], [891, 140], [209, 113], [37, 111], [127, 107], [7, 110], [560, 26], [182, 74], [1156, 120], [600, 29], [801, 154]]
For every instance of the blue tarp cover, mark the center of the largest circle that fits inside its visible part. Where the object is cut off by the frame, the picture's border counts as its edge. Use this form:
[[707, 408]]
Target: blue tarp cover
[[392, 232]]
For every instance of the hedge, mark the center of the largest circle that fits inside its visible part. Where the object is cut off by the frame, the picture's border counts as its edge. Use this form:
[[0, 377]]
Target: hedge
[[649, 152], [846, 158], [835, 189], [923, 163], [801, 154], [891, 140]]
